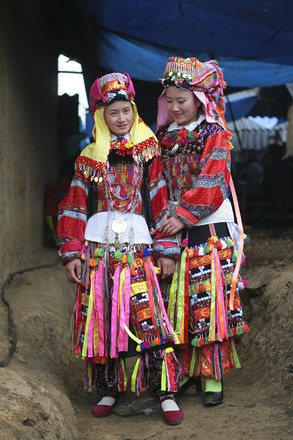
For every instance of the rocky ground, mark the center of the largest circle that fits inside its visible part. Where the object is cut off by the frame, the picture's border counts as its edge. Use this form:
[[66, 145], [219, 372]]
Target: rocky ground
[[41, 394]]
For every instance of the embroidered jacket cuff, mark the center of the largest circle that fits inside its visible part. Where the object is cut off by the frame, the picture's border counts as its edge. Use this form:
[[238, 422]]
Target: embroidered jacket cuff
[[70, 251], [163, 248], [70, 256], [186, 217]]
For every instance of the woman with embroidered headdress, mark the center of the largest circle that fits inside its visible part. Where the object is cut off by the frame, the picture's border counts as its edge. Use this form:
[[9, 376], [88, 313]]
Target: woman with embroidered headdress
[[204, 304], [116, 195]]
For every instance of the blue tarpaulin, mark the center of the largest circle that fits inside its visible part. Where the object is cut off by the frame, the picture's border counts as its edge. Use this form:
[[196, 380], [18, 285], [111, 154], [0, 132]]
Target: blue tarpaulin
[[252, 40], [146, 61], [240, 104]]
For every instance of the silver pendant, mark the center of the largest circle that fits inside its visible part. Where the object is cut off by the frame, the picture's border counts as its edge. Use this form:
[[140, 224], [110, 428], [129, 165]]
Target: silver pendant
[[119, 226], [174, 149]]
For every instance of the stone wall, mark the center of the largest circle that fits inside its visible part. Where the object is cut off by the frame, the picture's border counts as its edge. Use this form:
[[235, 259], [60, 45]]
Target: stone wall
[[28, 133]]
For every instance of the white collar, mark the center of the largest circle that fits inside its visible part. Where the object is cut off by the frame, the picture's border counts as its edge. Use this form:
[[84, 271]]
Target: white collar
[[114, 137], [190, 127]]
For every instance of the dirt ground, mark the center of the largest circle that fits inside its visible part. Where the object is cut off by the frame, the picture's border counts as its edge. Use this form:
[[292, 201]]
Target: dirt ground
[[41, 395]]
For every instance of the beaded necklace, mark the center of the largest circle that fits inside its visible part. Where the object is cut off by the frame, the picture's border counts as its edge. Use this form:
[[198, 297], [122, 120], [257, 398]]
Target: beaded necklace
[[132, 198], [181, 139], [176, 138], [122, 146], [120, 226]]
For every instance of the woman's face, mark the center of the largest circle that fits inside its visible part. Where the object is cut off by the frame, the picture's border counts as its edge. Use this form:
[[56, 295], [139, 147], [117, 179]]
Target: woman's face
[[119, 117], [182, 105]]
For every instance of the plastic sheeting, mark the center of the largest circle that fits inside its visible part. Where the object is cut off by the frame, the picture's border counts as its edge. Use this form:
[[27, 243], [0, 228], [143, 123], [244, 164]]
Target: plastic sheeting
[[146, 62], [254, 132], [252, 41], [239, 104]]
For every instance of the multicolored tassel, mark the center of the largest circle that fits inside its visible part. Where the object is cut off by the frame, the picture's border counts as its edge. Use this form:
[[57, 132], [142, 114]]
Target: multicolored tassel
[[114, 313], [218, 330], [182, 300]]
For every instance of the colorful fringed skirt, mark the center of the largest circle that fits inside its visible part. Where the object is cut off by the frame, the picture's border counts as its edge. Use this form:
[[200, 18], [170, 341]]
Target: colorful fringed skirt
[[200, 307], [118, 301]]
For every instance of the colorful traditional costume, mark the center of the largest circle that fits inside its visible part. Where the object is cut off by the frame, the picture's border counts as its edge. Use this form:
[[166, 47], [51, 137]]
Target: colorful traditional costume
[[204, 303], [116, 195]]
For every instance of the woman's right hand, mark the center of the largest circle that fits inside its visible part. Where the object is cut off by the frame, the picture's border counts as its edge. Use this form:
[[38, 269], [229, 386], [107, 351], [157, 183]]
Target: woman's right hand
[[172, 225], [73, 271]]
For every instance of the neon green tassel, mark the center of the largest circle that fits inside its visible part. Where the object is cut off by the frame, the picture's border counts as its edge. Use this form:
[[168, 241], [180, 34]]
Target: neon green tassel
[[163, 375], [88, 320], [181, 297], [134, 375], [234, 354], [172, 297], [192, 363]]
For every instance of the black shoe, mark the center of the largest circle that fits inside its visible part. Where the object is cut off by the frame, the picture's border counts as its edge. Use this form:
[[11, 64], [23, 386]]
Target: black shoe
[[213, 398], [196, 381], [198, 386]]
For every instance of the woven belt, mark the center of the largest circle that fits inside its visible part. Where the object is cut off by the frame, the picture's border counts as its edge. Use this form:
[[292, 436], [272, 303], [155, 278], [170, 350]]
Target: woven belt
[[205, 260]]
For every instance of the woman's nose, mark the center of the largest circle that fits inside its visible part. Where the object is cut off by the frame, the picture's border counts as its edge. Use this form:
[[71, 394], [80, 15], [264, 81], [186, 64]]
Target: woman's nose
[[121, 117], [174, 106]]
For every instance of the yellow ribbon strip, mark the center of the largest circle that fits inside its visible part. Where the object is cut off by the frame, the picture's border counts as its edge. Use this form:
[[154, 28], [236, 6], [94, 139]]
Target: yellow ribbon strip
[[163, 375], [172, 296], [181, 299], [123, 366], [192, 364], [134, 375], [131, 335]]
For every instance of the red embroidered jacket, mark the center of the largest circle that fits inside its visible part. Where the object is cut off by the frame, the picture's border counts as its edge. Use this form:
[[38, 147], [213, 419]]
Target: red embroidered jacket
[[74, 208], [199, 177]]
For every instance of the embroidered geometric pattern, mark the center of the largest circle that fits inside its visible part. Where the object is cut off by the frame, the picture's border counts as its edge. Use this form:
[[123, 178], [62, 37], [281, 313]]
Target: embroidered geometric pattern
[[206, 259], [205, 179], [200, 295]]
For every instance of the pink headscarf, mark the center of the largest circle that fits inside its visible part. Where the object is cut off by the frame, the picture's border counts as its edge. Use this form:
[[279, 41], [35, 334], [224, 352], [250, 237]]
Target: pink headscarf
[[109, 88], [205, 80]]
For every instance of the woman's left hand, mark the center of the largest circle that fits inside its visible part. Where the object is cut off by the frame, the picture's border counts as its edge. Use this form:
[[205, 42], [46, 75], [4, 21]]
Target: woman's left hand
[[166, 266], [172, 225]]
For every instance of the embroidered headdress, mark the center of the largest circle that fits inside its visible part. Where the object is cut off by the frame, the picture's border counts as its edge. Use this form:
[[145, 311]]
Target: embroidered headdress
[[205, 80], [110, 88], [105, 91]]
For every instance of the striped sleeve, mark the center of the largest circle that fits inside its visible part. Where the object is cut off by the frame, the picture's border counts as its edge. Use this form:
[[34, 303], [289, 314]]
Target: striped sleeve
[[72, 215], [163, 245]]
